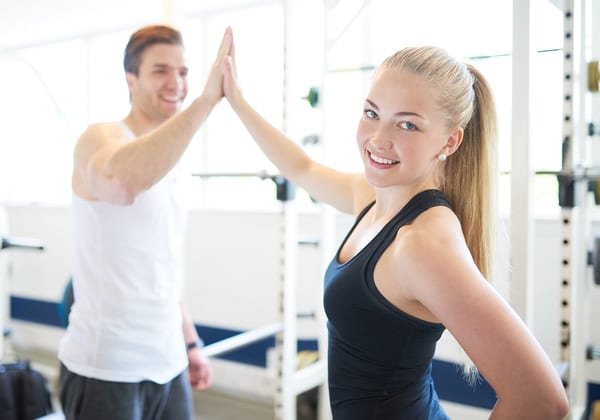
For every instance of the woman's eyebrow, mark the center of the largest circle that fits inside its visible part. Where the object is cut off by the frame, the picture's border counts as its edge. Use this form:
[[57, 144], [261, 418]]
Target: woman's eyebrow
[[400, 113]]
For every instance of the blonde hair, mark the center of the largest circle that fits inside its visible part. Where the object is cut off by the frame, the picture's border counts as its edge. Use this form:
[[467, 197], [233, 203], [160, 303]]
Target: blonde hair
[[468, 177]]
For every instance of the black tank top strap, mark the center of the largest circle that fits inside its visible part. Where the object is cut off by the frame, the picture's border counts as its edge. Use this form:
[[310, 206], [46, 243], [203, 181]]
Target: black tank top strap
[[418, 204], [364, 211], [415, 206]]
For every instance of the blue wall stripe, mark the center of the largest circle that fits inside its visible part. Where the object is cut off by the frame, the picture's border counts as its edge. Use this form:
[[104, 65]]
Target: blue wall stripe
[[38, 311], [593, 394], [449, 382]]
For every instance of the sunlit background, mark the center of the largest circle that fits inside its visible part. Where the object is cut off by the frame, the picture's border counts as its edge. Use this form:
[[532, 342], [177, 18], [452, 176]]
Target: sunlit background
[[62, 72]]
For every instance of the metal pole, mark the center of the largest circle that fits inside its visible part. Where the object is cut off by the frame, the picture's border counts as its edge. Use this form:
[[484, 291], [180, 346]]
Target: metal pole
[[241, 340], [521, 221], [572, 199], [286, 340]]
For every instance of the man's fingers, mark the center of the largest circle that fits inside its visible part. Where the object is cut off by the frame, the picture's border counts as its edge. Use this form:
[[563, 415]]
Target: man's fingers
[[225, 46]]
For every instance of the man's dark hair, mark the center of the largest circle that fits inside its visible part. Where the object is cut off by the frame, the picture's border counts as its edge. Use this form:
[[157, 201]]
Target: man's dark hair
[[144, 38]]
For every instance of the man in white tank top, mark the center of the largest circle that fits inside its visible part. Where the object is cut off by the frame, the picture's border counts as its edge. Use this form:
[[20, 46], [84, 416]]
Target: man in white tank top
[[125, 354]]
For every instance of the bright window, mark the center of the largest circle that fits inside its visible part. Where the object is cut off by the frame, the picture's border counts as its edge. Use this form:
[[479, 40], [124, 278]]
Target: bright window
[[56, 90]]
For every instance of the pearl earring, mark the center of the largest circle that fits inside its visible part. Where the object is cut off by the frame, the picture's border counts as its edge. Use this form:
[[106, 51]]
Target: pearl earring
[[442, 157]]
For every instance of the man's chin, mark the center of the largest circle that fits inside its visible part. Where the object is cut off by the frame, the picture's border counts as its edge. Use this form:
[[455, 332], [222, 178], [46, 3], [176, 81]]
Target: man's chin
[[170, 111]]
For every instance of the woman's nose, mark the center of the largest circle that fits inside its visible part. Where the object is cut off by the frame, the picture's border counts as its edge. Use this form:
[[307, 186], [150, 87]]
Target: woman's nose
[[381, 138]]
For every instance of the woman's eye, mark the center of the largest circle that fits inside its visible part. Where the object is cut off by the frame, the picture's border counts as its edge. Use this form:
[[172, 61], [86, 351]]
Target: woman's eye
[[369, 113], [407, 125]]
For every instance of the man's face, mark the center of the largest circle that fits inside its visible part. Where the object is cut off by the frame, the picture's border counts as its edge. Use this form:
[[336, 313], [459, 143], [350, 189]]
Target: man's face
[[161, 85]]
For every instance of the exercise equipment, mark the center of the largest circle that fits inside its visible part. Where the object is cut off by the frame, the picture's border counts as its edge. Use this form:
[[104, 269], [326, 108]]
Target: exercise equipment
[[575, 182], [284, 189], [9, 243], [593, 76], [595, 411], [291, 380], [312, 96], [23, 243]]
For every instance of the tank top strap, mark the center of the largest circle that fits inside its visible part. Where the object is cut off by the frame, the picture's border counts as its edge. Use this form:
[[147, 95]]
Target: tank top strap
[[124, 126], [364, 211], [415, 206], [418, 204]]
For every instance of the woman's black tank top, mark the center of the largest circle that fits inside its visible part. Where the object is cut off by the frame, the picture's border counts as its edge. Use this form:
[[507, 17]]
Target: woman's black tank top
[[379, 357]]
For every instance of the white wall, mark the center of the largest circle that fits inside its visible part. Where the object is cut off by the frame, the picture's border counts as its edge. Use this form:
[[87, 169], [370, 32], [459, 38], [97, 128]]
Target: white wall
[[232, 266]]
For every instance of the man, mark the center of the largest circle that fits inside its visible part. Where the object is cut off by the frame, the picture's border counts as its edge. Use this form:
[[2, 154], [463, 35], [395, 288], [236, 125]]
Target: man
[[130, 351]]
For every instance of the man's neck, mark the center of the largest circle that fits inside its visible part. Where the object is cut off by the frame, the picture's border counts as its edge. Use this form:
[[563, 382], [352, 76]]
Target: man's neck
[[141, 124]]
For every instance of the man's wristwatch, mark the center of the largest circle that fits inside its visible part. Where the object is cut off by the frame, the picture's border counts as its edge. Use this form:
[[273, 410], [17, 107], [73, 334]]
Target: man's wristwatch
[[194, 344]]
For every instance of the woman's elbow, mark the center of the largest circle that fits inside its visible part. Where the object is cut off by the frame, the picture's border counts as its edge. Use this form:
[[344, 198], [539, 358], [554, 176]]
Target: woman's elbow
[[558, 401], [555, 407], [532, 405], [561, 405]]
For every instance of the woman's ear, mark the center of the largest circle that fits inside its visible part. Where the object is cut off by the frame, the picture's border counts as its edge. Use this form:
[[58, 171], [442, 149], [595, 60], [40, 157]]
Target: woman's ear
[[454, 141]]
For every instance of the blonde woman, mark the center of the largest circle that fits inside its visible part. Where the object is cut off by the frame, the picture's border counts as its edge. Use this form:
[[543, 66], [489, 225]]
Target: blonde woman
[[417, 258]]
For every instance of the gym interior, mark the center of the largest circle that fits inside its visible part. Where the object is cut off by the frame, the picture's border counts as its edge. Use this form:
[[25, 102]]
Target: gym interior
[[255, 246]]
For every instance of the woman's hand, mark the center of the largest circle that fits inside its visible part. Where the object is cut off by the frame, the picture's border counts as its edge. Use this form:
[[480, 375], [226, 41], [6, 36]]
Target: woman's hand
[[213, 90], [231, 88]]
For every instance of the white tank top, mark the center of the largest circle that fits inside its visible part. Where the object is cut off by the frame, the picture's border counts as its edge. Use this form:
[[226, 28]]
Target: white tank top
[[126, 324]]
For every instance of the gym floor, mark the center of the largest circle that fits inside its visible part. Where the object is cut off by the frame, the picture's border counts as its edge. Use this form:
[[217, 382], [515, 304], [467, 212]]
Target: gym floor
[[215, 405], [211, 405]]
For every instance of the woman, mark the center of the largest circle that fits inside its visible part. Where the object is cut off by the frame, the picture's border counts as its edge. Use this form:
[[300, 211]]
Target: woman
[[417, 258]]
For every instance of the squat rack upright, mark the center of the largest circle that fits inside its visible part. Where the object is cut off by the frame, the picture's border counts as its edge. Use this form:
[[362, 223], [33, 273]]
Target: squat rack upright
[[574, 180]]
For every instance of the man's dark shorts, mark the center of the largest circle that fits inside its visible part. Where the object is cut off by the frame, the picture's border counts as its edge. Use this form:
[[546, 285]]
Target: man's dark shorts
[[85, 398]]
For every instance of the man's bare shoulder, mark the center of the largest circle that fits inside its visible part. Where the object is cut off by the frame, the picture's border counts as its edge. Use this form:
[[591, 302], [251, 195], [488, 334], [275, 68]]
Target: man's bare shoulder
[[103, 131], [94, 147], [99, 138]]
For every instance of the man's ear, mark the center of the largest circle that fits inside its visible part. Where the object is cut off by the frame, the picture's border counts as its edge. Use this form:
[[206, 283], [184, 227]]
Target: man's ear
[[130, 78]]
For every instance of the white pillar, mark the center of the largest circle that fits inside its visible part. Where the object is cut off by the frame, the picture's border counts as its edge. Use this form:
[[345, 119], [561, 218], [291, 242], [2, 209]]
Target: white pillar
[[174, 13], [580, 281], [4, 274], [521, 221]]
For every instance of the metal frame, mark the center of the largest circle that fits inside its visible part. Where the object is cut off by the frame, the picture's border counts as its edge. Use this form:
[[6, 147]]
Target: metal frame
[[289, 382], [521, 220], [573, 184]]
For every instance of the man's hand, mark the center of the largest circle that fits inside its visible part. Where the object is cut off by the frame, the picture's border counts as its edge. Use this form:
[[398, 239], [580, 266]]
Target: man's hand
[[200, 371], [213, 90]]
